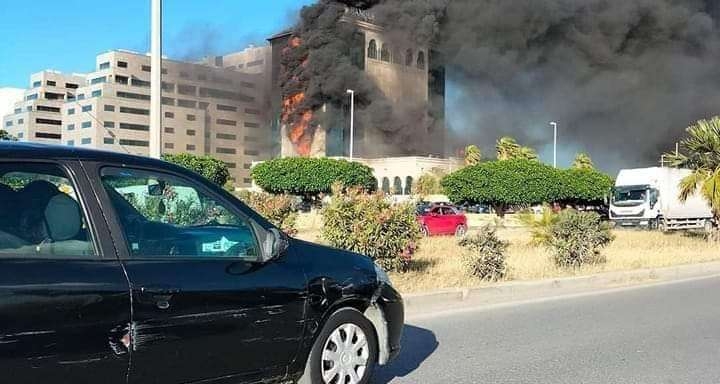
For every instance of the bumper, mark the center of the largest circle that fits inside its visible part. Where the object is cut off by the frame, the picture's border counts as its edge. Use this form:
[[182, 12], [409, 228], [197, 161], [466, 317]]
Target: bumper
[[387, 313], [634, 222]]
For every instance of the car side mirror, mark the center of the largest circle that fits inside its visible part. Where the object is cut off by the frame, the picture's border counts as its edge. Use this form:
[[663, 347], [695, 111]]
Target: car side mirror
[[276, 243], [156, 189]]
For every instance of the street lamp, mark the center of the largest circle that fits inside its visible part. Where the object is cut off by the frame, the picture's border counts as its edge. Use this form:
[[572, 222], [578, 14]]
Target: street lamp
[[554, 125], [352, 120]]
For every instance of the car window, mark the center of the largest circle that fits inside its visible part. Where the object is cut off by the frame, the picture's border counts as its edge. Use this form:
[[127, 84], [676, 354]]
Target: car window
[[165, 216], [40, 216]]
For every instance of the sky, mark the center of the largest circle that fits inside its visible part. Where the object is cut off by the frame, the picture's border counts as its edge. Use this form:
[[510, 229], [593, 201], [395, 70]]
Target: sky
[[67, 35]]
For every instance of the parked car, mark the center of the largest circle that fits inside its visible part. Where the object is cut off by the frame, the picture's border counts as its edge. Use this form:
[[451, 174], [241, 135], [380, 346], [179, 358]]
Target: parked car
[[442, 220], [474, 208], [124, 269]]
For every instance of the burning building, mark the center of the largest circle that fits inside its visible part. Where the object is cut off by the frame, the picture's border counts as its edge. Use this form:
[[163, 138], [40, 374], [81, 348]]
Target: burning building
[[399, 88]]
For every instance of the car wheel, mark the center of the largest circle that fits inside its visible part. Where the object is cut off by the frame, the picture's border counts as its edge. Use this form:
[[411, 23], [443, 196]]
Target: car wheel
[[345, 351], [425, 231], [460, 231], [708, 227]]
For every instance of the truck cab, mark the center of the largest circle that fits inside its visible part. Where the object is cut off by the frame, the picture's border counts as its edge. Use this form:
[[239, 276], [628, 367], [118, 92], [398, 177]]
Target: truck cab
[[634, 205]]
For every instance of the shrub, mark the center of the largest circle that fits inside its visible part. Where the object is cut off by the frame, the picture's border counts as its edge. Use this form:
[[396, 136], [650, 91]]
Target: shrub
[[541, 226], [577, 238], [277, 209], [209, 167], [485, 256], [371, 225], [308, 176], [584, 186]]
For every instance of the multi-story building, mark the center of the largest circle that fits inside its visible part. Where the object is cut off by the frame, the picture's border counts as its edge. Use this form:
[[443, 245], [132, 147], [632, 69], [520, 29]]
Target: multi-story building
[[207, 109], [37, 116]]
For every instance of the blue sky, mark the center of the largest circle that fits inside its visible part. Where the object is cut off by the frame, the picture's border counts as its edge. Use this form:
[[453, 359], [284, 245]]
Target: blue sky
[[66, 35]]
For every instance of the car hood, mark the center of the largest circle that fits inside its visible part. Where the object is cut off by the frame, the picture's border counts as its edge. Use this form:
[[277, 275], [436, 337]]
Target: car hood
[[321, 261]]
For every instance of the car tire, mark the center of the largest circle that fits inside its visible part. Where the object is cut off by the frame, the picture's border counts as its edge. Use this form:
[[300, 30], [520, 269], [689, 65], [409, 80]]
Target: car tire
[[362, 347], [460, 231], [425, 231]]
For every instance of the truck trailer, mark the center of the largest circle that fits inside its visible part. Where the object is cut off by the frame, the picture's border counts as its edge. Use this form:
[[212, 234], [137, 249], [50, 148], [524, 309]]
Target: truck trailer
[[649, 197]]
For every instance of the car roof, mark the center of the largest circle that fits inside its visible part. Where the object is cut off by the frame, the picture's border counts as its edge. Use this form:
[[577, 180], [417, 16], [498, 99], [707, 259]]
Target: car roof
[[26, 150]]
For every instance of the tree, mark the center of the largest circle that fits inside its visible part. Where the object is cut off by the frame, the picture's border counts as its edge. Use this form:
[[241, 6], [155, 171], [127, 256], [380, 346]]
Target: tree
[[473, 155], [5, 136], [583, 186], [310, 177], [504, 183], [583, 161], [701, 154], [429, 183], [508, 149], [206, 166]]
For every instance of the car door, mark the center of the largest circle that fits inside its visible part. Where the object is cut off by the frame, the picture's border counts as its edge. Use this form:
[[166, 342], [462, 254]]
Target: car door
[[204, 306], [64, 299], [434, 221]]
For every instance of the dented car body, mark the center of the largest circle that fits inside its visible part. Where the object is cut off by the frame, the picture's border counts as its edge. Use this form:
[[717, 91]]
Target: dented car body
[[124, 269]]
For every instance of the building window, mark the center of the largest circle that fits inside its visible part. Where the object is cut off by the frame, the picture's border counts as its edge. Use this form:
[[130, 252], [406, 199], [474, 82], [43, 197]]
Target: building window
[[396, 56], [45, 108], [71, 111], [70, 127], [109, 108], [168, 101], [50, 83], [409, 57], [247, 85], [184, 75], [408, 185], [168, 87], [203, 105], [79, 97], [190, 132], [251, 139], [231, 165], [135, 111], [252, 125], [34, 96], [372, 50], [20, 135], [18, 110], [71, 86], [122, 80], [134, 127], [190, 117], [247, 181], [36, 84], [190, 90], [71, 143], [251, 152], [48, 121], [169, 130], [139, 83], [108, 140], [164, 71], [87, 108], [385, 53], [134, 143], [221, 107], [169, 115], [169, 146], [226, 122], [104, 65], [227, 151], [96, 93], [226, 136], [98, 80], [21, 121], [86, 124], [251, 111], [247, 166], [421, 60], [221, 94], [190, 147], [109, 124], [186, 103], [130, 95], [86, 140], [45, 135], [122, 64], [9, 123], [146, 68]]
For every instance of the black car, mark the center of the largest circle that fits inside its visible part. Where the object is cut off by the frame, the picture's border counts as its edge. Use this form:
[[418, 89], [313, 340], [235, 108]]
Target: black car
[[124, 269]]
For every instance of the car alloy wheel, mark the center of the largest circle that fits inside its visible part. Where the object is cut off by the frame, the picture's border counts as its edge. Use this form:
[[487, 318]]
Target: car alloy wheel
[[460, 231], [425, 231], [345, 355]]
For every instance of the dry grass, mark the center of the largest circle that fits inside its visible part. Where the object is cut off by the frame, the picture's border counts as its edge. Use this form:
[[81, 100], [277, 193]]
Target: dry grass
[[437, 264]]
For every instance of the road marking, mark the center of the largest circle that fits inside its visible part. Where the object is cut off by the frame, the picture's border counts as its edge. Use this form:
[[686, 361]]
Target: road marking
[[540, 300]]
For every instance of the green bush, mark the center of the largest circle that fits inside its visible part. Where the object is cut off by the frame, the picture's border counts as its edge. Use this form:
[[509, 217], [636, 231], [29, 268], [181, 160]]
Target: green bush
[[584, 186], [371, 225], [540, 226], [577, 238], [308, 176], [485, 256], [277, 209], [209, 167]]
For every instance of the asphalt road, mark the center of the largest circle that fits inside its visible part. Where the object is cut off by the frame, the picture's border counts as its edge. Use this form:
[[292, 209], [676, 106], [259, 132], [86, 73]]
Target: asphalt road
[[660, 334]]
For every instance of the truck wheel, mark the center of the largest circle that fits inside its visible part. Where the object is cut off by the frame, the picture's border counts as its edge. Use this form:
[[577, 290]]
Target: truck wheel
[[653, 224], [662, 225], [708, 227]]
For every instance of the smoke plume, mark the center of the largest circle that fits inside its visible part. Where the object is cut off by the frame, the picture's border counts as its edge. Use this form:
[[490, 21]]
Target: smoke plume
[[621, 78]]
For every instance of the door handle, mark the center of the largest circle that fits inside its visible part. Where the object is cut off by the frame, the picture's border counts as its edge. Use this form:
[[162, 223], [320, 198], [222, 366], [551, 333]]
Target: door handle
[[161, 295]]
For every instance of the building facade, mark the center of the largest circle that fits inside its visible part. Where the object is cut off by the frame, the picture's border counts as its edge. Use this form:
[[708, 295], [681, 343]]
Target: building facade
[[38, 115]]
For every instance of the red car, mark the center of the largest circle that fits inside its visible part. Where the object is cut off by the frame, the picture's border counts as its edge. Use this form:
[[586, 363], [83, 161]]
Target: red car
[[442, 220]]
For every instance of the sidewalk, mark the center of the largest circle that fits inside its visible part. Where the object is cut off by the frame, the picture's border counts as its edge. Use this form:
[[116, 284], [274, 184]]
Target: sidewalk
[[429, 302]]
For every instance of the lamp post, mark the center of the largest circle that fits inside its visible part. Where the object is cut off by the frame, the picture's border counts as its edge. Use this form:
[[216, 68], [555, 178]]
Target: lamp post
[[554, 125], [156, 79], [352, 120]]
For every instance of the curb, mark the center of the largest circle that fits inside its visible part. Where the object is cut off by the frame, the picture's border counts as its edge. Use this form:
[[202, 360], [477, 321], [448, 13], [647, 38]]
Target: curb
[[422, 303]]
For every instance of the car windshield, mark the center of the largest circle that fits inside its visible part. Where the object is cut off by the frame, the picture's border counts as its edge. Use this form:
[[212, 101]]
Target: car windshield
[[629, 195]]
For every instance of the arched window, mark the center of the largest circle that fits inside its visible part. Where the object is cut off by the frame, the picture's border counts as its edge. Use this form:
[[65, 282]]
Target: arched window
[[385, 185], [385, 53], [409, 58], [409, 185], [396, 56], [397, 186], [372, 49], [421, 60]]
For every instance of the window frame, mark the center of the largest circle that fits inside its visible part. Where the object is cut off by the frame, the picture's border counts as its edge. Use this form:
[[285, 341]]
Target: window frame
[[118, 231], [97, 231]]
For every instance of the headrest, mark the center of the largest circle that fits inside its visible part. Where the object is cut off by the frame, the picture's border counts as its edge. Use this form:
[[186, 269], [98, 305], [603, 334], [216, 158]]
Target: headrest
[[39, 190], [63, 218]]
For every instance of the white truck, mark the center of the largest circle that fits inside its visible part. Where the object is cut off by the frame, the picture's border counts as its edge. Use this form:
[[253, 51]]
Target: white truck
[[648, 197]]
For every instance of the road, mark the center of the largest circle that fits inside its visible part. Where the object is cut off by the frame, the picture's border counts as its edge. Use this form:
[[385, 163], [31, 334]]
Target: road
[[666, 333]]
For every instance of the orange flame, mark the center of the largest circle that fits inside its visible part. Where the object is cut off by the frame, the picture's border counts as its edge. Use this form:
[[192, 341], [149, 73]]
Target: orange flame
[[299, 133]]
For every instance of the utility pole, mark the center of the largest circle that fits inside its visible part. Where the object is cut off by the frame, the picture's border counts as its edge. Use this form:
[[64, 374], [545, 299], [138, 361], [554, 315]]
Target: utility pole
[[156, 79], [554, 125], [352, 121]]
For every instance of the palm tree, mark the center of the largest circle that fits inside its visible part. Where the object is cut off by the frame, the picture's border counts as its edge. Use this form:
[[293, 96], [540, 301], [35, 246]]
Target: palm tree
[[507, 148], [583, 161], [701, 154], [528, 154], [472, 155]]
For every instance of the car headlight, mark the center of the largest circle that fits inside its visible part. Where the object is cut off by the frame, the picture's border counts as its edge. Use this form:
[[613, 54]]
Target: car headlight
[[382, 276]]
